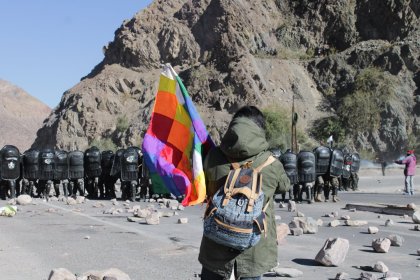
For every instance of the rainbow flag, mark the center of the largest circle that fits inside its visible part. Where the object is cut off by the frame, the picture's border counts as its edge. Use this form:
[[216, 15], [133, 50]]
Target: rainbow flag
[[176, 142]]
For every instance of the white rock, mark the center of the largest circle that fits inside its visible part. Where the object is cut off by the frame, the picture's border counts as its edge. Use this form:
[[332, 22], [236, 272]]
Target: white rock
[[287, 272], [333, 252], [380, 267], [334, 223], [183, 221], [373, 230], [61, 274], [111, 272], [381, 245], [24, 199]]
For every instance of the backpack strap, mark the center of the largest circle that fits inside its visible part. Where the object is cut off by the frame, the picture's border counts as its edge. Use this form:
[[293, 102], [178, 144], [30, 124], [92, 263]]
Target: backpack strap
[[254, 191], [230, 185]]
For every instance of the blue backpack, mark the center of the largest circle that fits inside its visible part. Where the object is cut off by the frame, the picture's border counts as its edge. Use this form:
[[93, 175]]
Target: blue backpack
[[235, 216]]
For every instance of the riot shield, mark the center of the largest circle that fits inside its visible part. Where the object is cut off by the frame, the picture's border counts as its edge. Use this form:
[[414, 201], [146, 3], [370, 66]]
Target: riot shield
[[322, 160], [46, 162], [92, 162], [129, 165], [106, 163], [61, 171], [337, 162], [76, 170], [289, 161], [9, 163], [116, 163], [276, 152], [355, 165], [30, 164], [306, 167], [347, 166]]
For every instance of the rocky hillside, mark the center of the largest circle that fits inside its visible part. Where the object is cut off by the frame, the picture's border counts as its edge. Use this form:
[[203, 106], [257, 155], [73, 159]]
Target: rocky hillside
[[21, 116], [235, 52]]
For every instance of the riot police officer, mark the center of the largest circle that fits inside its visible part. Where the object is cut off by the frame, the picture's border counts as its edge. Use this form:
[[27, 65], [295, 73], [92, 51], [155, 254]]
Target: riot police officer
[[76, 172], [106, 181], [30, 172], [61, 172], [129, 173], [322, 165], [289, 161], [9, 170], [331, 181], [46, 161], [93, 170], [306, 175], [354, 169]]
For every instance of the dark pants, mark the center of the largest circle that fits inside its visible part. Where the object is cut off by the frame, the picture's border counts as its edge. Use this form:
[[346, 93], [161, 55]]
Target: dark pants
[[209, 275]]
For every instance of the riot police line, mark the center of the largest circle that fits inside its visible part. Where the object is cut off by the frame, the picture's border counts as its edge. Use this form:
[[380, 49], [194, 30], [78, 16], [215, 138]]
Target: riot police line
[[93, 173], [321, 172]]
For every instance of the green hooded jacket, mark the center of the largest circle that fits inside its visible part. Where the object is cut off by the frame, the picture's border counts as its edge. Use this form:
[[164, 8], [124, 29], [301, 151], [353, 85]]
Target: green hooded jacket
[[244, 141]]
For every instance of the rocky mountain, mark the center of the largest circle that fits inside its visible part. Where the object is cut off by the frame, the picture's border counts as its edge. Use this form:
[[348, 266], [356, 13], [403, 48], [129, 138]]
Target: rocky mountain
[[235, 52], [21, 115]]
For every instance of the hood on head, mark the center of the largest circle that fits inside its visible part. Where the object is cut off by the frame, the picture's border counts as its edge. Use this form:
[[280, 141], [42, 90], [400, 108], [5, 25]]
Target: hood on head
[[243, 139]]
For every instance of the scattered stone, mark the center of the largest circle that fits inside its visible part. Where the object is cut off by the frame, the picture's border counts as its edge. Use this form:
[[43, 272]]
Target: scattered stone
[[368, 276], [417, 228], [24, 199], [80, 199], [299, 214], [379, 216], [287, 272], [282, 205], [418, 252], [51, 210], [183, 221], [352, 210], [389, 222], [329, 216], [277, 217], [98, 205], [380, 267], [180, 207], [406, 217], [334, 223], [296, 231], [135, 219], [355, 223], [168, 214], [153, 219], [307, 224], [319, 222], [115, 202], [333, 252], [142, 213], [71, 201], [53, 198], [172, 203], [373, 230], [291, 206], [381, 245], [87, 237], [12, 201], [416, 217], [341, 276], [335, 213], [411, 206], [126, 204], [61, 274], [390, 275], [8, 210], [282, 231], [111, 273], [346, 217], [396, 240]]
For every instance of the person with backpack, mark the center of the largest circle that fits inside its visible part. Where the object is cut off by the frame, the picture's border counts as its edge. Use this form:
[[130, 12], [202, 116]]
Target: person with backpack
[[410, 162], [242, 176]]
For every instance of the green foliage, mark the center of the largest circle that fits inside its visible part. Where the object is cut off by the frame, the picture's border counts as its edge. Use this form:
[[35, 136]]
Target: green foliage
[[367, 154], [323, 128], [122, 123], [104, 144], [413, 142], [278, 126], [361, 110]]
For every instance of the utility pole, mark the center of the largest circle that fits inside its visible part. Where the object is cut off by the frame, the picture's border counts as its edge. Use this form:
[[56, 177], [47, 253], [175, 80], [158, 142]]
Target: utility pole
[[294, 122]]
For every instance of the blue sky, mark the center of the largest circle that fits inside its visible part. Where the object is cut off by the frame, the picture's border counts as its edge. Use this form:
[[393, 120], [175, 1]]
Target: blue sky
[[46, 46]]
